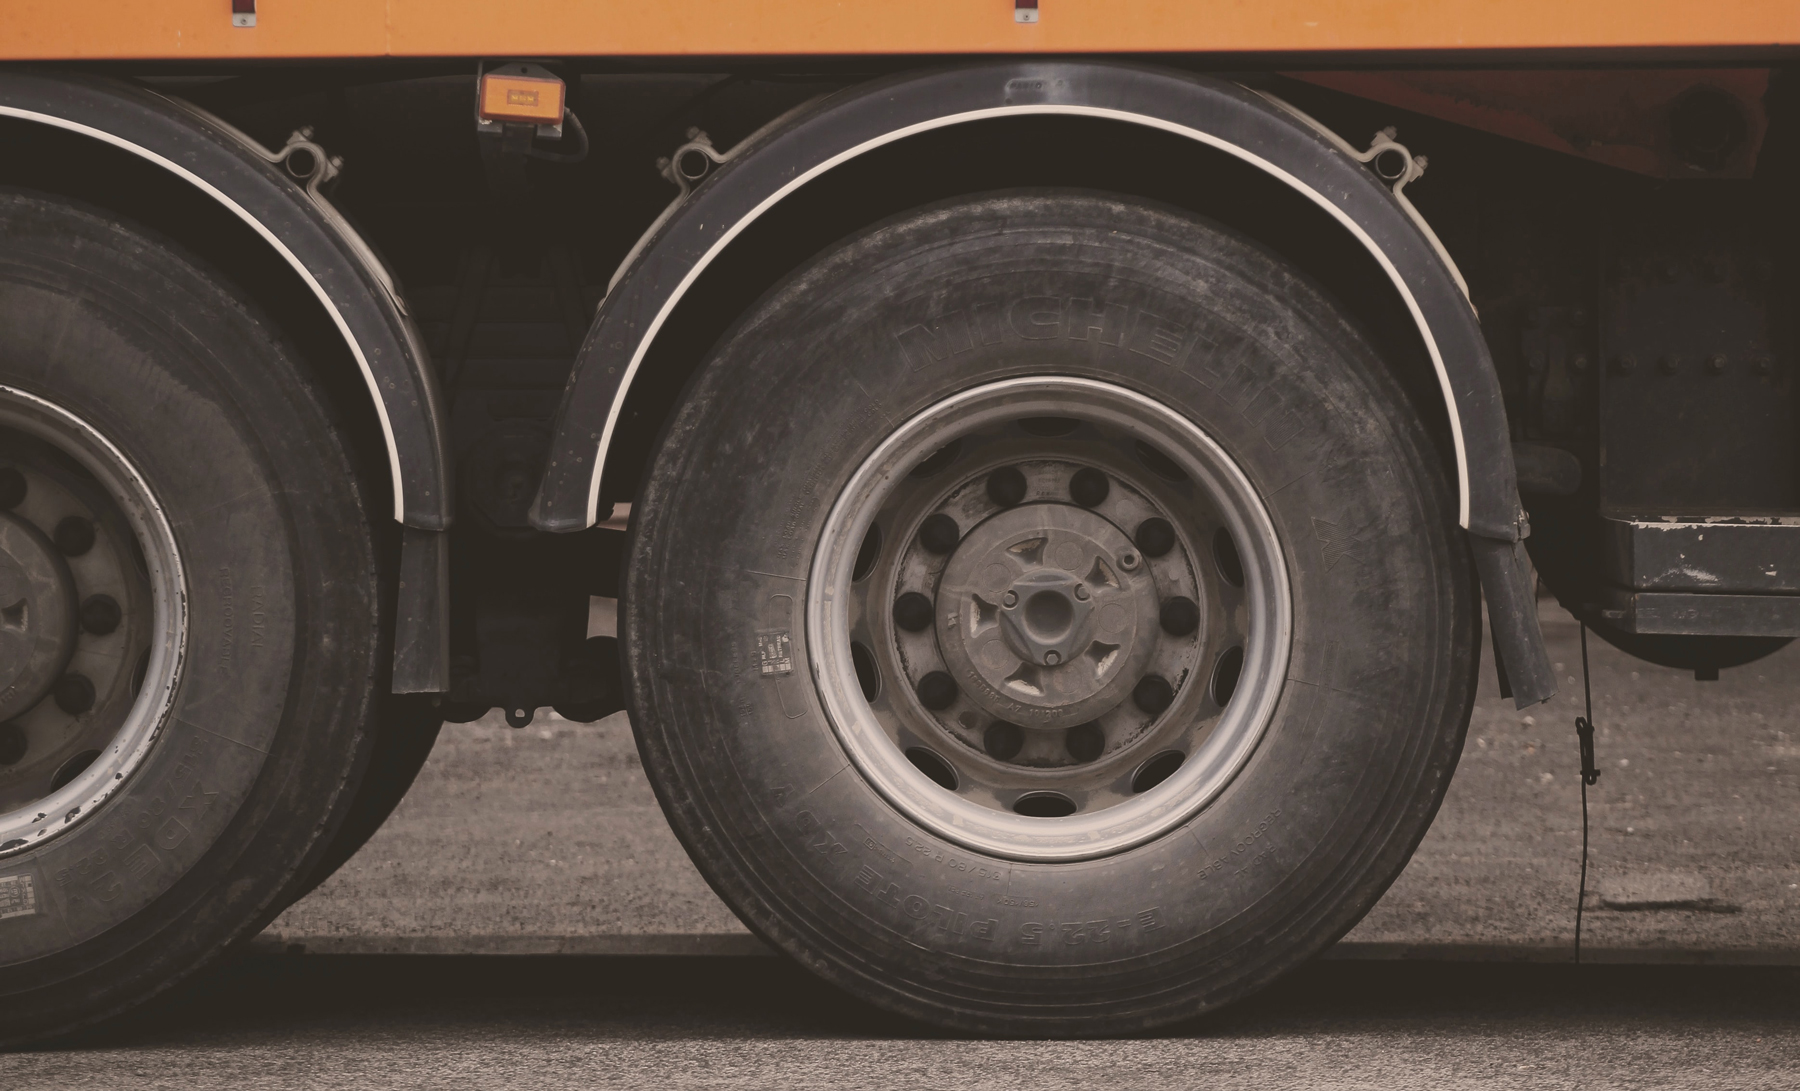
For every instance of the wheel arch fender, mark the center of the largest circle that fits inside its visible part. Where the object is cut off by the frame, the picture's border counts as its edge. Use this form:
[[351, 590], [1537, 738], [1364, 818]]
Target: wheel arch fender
[[774, 163], [351, 285]]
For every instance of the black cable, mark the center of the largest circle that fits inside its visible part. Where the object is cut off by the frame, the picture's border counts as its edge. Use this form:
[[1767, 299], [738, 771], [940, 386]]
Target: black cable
[[571, 128], [1584, 734]]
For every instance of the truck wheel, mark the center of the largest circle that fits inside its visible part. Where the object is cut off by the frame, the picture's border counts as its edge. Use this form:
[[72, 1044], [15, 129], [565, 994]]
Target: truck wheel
[[189, 631], [1046, 616], [406, 729]]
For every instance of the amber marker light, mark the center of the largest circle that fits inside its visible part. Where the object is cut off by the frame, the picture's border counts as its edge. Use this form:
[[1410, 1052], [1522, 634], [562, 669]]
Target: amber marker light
[[521, 98]]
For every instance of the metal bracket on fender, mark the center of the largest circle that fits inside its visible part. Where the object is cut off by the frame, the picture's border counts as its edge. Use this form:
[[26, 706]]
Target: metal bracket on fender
[[299, 225], [1292, 150]]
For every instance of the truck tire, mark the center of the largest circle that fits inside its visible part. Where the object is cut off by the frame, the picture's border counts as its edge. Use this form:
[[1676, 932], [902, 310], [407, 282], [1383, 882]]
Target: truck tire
[[406, 730], [189, 682], [1045, 616]]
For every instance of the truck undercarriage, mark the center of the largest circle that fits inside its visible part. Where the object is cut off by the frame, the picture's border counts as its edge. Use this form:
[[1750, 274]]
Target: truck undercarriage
[[1050, 502]]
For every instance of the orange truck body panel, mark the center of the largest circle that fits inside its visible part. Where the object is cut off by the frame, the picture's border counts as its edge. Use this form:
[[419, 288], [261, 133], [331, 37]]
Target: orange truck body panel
[[55, 30]]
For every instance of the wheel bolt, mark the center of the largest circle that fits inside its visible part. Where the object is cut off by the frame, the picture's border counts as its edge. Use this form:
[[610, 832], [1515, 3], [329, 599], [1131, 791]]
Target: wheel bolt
[[1051, 659], [1180, 616], [1003, 740], [1010, 599], [1085, 742], [1006, 486], [12, 743], [937, 691], [939, 533], [1155, 537], [100, 614], [1089, 487], [74, 536], [912, 612], [12, 488], [1153, 694], [1081, 592], [74, 694], [1128, 561]]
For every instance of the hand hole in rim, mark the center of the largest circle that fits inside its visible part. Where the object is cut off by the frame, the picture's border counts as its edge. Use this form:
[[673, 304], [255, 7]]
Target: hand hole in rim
[[868, 554], [1158, 463], [1225, 555], [1156, 770], [1044, 805], [1225, 675], [1048, 427], [927, 761], [868, 674], [938, 460], [1002, 740], [72, 768], [1085, 742]]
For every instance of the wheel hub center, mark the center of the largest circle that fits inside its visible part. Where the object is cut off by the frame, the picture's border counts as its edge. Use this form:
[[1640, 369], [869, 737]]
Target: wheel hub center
[[1048, 615], [37, 615]]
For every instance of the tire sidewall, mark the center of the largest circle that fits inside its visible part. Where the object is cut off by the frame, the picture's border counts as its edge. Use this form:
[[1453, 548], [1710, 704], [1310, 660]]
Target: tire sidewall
[[203, 400], [1354, 759]]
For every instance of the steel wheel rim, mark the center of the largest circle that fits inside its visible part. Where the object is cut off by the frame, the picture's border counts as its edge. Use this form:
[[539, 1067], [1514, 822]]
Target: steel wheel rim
[[867, 730], [134, 542]]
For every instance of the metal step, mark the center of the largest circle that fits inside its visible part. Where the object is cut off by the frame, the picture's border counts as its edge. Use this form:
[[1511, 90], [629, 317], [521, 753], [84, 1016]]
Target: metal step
[[1745, 554], [1702, 615]]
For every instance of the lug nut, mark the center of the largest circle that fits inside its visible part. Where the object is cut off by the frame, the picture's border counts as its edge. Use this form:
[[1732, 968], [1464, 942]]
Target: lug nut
[[12, 488], [1089, 487], [937, 691], [1128, 561], [74, 694], [13, 743], [1051, 659], [1010, 599], [100, 614], [74, 536], [1006, 486], [1180, 616], [939, 533], [1153, 694], [1085, 742], [1003, 740], [912, 612], [1081, 592], [1154, 536]]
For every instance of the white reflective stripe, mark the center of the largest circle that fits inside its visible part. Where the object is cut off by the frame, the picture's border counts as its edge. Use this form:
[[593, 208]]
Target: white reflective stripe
[[387, 429], [1412, 304]]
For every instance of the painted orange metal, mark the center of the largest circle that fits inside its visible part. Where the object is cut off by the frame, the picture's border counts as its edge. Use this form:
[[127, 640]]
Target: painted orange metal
[[200, 29]]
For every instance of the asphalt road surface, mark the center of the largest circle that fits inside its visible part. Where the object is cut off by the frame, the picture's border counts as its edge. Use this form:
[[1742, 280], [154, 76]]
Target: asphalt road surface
[[548, 840], [318, 1022], [524, 862]]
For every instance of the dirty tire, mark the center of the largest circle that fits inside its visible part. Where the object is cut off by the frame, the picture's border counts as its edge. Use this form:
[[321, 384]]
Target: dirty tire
[[1373, 701], [258, 755], [407, 727]]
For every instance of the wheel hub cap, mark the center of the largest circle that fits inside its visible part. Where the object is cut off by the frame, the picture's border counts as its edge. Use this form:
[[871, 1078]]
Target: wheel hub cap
[[37, 615], [1046, 615], [1049, 618], [92, 619]]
